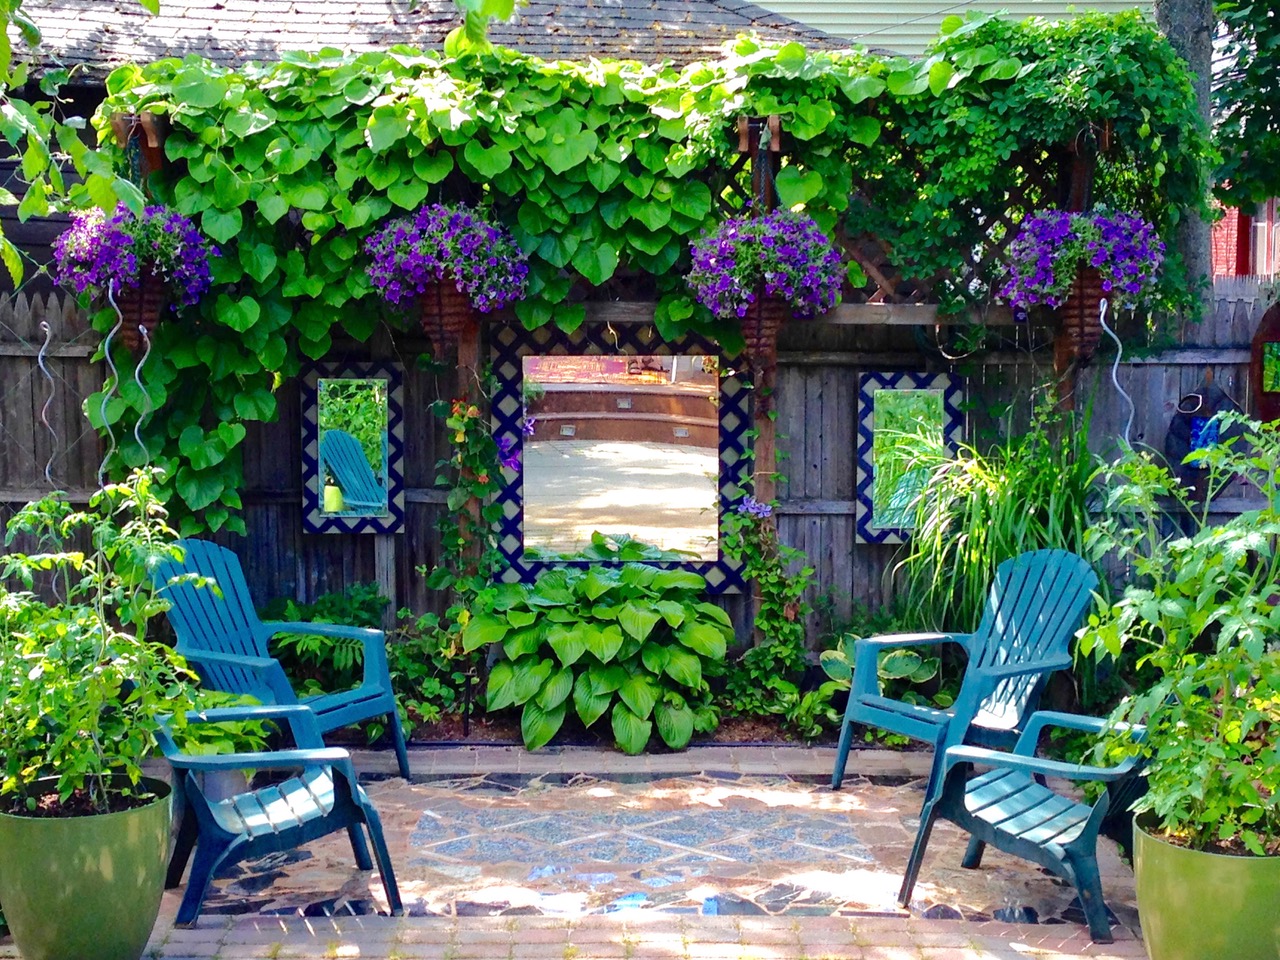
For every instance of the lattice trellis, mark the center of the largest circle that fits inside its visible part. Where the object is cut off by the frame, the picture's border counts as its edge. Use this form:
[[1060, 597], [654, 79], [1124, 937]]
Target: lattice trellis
[[509, 345]]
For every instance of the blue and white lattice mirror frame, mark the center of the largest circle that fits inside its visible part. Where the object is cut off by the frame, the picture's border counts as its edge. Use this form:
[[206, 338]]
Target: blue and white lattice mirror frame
[[894, 409], [353, 448], [612, 429]]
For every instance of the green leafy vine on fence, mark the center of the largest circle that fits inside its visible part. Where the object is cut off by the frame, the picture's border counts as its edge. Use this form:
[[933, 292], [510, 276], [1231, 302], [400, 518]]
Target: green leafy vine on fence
[[603, 171]]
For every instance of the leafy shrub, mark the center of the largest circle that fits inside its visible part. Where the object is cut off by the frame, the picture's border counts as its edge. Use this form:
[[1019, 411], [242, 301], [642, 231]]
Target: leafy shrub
[[325, 664], [631, 641], [428, 671]]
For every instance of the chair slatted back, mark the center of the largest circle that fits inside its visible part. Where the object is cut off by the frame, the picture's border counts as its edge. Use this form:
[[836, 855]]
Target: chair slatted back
[[1037, 602], [203, 620], [346, 460]]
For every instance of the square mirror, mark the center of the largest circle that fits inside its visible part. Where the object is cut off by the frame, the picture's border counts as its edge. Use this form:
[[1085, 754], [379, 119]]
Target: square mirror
[[900, 415], [352, 447], [628, 447], [622, 446]]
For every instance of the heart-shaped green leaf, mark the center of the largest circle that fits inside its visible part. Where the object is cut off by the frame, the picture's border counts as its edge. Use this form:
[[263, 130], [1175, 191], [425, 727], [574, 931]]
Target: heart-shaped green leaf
[[675, 724], [629, 731], [538, 726]]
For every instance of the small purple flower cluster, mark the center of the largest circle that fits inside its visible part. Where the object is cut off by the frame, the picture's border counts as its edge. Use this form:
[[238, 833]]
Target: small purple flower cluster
[[752, 507], [784, 253], [508, 455], [447, 242], [1053, 245], [96, 252]]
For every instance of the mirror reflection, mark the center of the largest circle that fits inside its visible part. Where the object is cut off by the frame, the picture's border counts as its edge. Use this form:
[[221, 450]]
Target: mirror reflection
[[624, 445], [904, 422], [352, 421]]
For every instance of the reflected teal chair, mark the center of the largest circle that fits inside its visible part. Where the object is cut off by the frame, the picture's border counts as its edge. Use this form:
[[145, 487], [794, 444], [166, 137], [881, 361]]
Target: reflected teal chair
[[322, 796], [220, 634], [342, 455], [1009, 807], [1036, 603]]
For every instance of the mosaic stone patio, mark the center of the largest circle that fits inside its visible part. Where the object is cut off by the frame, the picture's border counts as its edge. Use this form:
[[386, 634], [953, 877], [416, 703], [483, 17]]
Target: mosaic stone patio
[[568, 845]]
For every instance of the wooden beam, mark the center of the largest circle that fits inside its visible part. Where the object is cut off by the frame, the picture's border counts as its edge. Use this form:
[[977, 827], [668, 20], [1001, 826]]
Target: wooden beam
[[1191, 357], [817, 508], [857, 314], [10, 348], [10, 495]]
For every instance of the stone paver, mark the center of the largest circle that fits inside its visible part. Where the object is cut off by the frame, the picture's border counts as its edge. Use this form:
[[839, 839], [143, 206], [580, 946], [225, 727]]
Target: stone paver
[[705, 834]]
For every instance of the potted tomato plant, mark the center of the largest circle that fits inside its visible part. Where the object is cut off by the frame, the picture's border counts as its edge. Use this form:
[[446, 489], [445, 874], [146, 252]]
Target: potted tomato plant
[[85, 834]]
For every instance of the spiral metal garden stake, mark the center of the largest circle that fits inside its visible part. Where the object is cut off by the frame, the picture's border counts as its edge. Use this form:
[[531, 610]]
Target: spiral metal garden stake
[[48, 400]]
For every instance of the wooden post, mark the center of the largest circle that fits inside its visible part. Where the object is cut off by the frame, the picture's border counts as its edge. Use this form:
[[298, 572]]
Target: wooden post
[[471, 372], [761, 138]]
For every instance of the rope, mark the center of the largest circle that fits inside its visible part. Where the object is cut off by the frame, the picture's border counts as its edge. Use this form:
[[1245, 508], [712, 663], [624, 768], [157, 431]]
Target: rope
[[48, 400]]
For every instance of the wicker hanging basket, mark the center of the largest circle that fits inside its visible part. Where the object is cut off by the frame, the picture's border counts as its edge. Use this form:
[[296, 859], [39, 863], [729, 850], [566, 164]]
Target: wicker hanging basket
[[1080, 324], [445, 313], [760, 327], [143, 305]]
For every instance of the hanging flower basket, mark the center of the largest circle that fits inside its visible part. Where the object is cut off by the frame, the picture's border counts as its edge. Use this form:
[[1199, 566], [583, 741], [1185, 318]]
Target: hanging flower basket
[[144, 305], [446, 312], [1079, 317], [763, 271], [453, 261], [1070, 261], [151, 264]]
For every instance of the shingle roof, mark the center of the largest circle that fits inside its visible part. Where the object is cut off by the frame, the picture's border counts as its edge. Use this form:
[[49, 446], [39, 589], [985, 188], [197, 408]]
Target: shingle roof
[[101, 34]]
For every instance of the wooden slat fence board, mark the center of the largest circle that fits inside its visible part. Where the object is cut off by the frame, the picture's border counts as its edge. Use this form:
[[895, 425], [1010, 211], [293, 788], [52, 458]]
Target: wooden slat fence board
[[816, 403]]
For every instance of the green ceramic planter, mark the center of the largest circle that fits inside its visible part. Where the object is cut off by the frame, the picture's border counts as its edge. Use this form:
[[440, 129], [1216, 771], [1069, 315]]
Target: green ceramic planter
[[82, 887], [1205, 906]]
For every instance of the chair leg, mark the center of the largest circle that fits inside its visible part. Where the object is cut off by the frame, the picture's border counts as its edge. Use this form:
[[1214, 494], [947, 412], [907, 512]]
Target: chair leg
[[1089, 887], [384, 861], [188, 831], [397, 738], [842, 754], [359, 847], [203, 868], [927, 817], [973, 855]]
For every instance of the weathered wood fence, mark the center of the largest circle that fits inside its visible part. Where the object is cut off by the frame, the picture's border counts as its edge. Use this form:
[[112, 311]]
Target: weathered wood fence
[[817, 394]]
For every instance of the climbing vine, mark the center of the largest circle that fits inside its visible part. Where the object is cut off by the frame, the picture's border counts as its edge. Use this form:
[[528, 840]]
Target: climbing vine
[[604, 172]]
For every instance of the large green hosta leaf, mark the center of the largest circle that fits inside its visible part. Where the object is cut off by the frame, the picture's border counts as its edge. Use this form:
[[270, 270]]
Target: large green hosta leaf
[[630, 732]]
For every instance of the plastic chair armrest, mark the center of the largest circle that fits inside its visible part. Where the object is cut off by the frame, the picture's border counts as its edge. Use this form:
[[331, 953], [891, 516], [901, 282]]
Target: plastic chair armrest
[[866, 673], [275, 760], [1035, 765], [376, 670], [301, 720], [1037, 722]]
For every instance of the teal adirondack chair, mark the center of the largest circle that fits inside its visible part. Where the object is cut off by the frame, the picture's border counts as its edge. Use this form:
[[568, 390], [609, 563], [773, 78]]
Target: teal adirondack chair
[[223, 639], [1010, 808], [1036, 603], [343, 456], [322, 797]]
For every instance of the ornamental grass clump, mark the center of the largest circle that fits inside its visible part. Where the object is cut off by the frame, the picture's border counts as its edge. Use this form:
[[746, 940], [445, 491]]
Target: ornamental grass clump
[[782, 254], [1053, 246], [97, 253], [448, 243]]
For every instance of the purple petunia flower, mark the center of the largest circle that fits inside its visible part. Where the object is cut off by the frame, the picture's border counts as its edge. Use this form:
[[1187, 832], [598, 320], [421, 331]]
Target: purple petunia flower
[[454, 243], [97, 253], [529, 426], [1052, 246], [783, 253]]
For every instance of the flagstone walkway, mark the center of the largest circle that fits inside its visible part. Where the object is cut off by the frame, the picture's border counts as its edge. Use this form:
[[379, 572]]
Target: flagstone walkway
[[575, 854]]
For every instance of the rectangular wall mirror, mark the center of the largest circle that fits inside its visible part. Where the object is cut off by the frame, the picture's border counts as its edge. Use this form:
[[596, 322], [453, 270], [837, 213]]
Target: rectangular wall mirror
[[899, 414], [623, 446], [620, 436], [352, 446]]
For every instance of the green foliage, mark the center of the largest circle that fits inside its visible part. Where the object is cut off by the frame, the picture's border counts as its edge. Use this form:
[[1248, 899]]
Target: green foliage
[[229, 736], [978, 509], [326, 664], [633, 642], [597, 168], [1248, 102], [81, 688], [1200, 608], [615, 547], [429, 671], [766, 679], [358, 407]]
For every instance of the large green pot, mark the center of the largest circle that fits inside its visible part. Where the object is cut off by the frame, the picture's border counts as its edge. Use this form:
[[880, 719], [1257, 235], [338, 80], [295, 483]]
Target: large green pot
[[1205, 906], [75, 888]]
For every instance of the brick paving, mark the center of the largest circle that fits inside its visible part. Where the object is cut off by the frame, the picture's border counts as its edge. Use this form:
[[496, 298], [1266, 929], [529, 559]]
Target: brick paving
[[648, 933]]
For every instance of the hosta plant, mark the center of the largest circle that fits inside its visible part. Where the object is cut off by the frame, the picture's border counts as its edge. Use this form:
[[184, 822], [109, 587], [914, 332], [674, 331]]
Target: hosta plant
[[631, 643]]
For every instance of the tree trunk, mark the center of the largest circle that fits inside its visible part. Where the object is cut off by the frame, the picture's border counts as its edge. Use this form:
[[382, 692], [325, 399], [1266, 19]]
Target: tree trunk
[[1189, 25]]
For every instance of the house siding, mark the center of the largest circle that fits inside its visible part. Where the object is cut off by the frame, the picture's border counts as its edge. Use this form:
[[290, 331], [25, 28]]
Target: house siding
[[907, 26]]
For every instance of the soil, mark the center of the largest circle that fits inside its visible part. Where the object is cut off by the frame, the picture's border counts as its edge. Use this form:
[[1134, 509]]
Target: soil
[[79, 804]]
